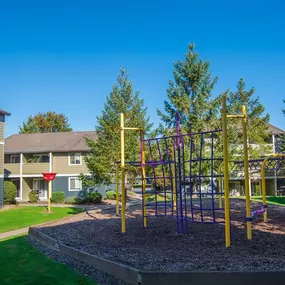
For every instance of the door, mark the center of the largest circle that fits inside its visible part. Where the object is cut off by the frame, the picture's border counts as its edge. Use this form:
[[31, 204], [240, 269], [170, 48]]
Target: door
[[17, 184], [41, 186]]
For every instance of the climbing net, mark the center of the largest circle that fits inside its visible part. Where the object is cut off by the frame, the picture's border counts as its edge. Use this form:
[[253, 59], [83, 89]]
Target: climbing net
[[183, 171]]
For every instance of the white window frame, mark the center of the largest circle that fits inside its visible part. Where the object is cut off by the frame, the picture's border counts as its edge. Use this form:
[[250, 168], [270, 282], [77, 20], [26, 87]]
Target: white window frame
[[75, 154], [45, 190], [74, 190], [15, 155]]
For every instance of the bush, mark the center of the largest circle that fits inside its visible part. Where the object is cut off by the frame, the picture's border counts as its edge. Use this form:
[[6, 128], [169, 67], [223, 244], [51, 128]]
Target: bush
[[74, 200], [57, 197], [10, 192], [111, 195], [93, 197], [33, 196]]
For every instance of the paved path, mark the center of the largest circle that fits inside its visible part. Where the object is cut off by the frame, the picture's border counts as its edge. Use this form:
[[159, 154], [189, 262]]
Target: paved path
[[14, 233]]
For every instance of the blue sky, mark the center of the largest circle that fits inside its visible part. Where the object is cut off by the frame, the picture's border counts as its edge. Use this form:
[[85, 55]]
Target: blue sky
[[64, 56]]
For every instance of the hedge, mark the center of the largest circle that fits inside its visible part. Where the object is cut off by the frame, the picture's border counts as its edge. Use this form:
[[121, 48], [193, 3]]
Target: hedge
[[57, 197]]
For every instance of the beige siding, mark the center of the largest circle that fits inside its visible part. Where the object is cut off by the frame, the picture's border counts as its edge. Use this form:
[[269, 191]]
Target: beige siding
[[27, 187], [1, 131], [1, 159], [61, 165], [35, 168], [12, 168]]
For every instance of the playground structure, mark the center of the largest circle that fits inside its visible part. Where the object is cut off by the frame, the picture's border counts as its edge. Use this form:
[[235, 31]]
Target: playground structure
[[179, 166]]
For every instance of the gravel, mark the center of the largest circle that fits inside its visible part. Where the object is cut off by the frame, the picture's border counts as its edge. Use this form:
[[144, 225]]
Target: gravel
[[159, 248]]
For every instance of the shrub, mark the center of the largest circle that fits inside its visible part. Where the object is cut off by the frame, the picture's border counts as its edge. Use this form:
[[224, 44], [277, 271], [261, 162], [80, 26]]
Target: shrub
[[111, 195], [57, 197], [10, 192], [93, 197], [33, 196], [74, 200]]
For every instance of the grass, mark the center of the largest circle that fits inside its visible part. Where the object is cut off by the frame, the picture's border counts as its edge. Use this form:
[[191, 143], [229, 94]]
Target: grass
[[25, 265], [273, 200], [22, 217], [160, 198]]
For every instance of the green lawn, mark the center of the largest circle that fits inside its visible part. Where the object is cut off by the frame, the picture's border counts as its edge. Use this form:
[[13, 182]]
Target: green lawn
[[274, 200], [25, 265], [21, 217]]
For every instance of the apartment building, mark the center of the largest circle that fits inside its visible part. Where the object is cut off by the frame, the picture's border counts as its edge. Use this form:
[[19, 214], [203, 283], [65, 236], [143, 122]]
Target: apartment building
[[3, 114], [274, 179], [27, 156]]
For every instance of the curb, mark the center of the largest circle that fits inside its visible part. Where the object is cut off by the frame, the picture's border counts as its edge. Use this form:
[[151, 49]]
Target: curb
[[119, 271]]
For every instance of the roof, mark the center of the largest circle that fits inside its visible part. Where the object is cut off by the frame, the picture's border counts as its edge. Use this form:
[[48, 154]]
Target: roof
[[274, 130], [3, 112], [48, 142]]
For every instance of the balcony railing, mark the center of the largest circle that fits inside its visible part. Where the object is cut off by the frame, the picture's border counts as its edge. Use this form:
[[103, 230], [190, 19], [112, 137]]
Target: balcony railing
[[11, 169], [35, 168]]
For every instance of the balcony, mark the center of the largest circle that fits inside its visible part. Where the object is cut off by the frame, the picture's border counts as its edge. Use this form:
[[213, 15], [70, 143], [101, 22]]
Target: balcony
[[35, 168], [11, 169]]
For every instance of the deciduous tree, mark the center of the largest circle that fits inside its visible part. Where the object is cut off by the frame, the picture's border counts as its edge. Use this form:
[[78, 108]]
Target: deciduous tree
[[45, 123]]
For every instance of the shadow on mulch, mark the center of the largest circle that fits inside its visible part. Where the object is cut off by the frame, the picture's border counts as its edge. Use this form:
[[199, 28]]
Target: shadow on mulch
[[159, 247]]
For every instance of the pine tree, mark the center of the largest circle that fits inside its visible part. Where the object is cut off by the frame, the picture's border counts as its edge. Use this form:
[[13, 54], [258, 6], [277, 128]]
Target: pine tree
[[190, 94], [105, 150], [257, 121]]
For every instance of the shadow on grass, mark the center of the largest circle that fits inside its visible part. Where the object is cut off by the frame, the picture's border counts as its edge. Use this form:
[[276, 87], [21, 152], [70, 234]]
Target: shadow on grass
[[25, 265]]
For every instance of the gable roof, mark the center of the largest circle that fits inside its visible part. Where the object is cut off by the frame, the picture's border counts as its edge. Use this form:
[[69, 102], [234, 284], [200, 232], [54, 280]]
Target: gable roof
[[3, 112], [274, 130], [48, 142]]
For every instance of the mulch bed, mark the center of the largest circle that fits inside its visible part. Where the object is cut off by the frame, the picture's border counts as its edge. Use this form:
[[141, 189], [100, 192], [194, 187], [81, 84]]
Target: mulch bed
[[160, 248]]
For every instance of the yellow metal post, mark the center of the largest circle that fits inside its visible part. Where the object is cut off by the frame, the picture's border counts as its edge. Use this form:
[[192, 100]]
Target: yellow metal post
[[226, 173], [246, 172], [117, 190], [220, 185], [143, 178], [49, 194], [263, 182], [174, 189], [123, 211], [263, 187]]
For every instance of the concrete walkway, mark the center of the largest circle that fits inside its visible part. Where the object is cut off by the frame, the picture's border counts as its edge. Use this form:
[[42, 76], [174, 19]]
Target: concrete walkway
[[14, 233]]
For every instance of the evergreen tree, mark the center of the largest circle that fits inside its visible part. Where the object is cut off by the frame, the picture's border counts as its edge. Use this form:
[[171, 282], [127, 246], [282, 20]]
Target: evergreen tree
[[190, 94], [257, 121], [105, 150]]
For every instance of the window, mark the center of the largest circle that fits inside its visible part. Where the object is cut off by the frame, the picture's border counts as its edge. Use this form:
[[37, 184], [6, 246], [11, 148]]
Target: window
[[15, 158], [75, 184], [41, 157], [75, 159]]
